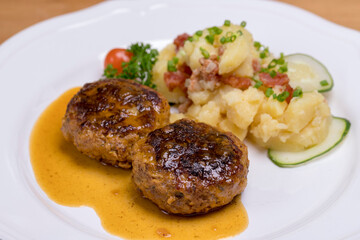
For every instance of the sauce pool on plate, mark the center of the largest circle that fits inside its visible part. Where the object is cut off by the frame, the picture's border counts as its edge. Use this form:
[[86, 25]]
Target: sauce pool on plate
[[70, 178]]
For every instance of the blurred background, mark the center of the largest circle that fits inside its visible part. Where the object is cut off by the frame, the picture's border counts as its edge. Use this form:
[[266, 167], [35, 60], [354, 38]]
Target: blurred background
[[16, 15]]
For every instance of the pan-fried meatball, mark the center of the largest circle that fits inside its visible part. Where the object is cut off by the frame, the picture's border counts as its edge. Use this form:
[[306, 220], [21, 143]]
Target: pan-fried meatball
[[106, 118], [190, 168]]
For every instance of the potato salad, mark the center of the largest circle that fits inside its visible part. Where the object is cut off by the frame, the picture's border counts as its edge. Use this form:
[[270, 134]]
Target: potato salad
[[222, 77]]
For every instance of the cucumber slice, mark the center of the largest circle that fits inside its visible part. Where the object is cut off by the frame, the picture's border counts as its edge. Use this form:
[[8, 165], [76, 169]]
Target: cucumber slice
[[339, 127], [308, 73]]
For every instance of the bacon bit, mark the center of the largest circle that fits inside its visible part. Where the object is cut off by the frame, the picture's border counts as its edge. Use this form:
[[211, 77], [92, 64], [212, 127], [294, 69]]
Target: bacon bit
[[280, 79], [194, 85], [175, 79], [208, 71], [179, 41], [221, 50], [185, 69], [256, 65], [242, 83], [184, 106], [290, 90]]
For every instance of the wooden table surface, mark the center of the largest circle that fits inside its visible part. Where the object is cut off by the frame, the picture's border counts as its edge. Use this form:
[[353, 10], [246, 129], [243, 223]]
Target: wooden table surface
[[16, 15]]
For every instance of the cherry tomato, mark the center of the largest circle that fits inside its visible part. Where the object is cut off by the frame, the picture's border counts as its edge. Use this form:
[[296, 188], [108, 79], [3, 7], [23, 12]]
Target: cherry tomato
[[116, 57]]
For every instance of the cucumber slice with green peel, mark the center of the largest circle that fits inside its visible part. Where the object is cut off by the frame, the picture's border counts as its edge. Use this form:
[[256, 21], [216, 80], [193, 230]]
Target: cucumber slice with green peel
[[339, 127], [308, 73]]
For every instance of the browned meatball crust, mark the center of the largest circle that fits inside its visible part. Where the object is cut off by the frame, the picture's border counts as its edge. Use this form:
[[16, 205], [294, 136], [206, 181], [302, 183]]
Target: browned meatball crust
[[105, 118], [190, 168]]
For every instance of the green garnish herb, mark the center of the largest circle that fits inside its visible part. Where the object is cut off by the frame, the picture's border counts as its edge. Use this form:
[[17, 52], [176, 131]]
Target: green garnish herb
[[272, 73], [222, 40], [258, 83], [272, 64], [283, 68], [227, 23], [257, 45], [283, 96], [140, 66], [212, 32], [210, 39], [269, 92], [171, 66], [281, 60], [199, 33], [229, 34], [243, 24], [190, 39], [229, 37], [110, 71], [264, 53], [264, 70], [240, 32], [274, 96], [204, 53], [297, 92], [276, 64], [324, 83], [215, 30]]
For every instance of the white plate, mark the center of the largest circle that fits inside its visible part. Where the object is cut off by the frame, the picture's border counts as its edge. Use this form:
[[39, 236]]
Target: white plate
[[316, 201]]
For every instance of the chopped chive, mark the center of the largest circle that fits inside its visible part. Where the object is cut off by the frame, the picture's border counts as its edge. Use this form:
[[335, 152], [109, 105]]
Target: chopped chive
[[199, 33], [324, 83], [232, 38], [222, 40], [269, 92], [282, 96], [215, 30], [229, 34], [240, 32], [190, 39], [281, 60], [210, 39], [264, 70], [258, 83], [218, 31], [176, 60], [298, 92], [171, 66], [274, 96], [272, 73], [243, 24], [264, 53], [227, 23], [273, 63], [283, 68], [204, 53], [257, 45]]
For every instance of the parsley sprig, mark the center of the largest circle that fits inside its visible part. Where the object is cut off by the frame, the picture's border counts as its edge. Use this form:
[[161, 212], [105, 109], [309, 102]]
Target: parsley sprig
[[139, 67]]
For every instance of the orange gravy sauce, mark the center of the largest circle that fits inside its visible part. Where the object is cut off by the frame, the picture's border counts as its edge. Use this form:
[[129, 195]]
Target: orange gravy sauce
[[70, 178]]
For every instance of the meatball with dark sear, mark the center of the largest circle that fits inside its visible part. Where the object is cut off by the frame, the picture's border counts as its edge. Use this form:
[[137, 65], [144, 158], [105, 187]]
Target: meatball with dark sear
[[106, 118], [189, 168]]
